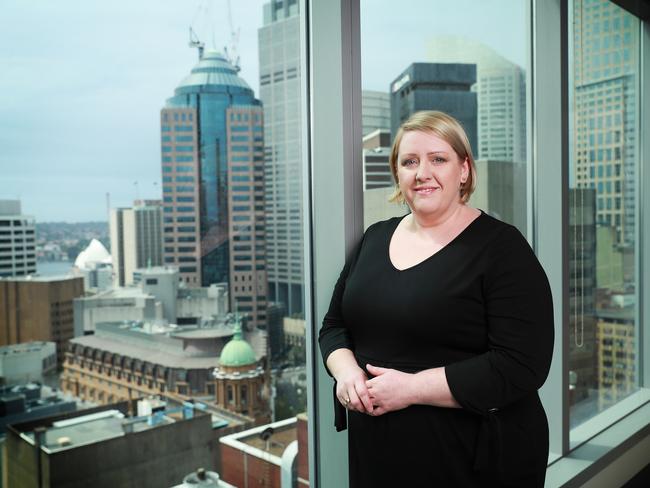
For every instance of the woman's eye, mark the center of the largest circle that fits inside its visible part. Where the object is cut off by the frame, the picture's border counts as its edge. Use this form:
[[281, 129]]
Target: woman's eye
[[409, 162], [439, 160]]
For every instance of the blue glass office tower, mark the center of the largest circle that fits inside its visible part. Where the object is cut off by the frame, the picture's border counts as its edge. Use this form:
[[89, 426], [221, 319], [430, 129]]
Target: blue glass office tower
[[195, 156]]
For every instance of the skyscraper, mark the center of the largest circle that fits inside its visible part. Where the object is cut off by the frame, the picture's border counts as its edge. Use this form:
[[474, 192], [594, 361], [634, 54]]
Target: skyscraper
[[375, 111], [136, 239], [605, 75], [501, 90], [279, 51], [211, 145], [17, 240], [435, 86]]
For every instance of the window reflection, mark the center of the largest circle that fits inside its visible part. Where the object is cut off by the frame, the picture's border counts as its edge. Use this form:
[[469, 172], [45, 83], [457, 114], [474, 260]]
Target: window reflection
[[602, 209]]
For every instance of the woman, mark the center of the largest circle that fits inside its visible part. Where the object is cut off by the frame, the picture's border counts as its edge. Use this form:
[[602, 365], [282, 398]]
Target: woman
[[440, 332]]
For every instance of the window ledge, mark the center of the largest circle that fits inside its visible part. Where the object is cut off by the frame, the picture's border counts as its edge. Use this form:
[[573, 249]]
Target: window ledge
[[600, 442]]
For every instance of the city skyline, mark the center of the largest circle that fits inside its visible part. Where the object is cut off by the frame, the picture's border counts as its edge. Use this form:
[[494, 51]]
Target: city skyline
[[91, 82]]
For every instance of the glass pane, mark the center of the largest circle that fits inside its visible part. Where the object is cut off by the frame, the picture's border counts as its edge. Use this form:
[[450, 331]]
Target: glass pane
[[186, 163], [478, 78], [603, 190]]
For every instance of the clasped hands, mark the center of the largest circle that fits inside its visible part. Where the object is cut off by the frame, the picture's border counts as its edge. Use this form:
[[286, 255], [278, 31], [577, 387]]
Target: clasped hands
[[388, 391]]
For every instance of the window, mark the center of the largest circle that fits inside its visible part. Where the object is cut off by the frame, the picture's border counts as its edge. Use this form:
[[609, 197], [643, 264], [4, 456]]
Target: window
[[602, 238], [591, 192], [494, 119]]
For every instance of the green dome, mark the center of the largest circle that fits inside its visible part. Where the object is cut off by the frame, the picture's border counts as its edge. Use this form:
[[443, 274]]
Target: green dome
[[237, 352]]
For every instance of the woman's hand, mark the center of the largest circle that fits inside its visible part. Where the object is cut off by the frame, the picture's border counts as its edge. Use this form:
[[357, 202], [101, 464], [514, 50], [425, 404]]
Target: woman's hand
[[350, 381], [351, 390], [390, 389]]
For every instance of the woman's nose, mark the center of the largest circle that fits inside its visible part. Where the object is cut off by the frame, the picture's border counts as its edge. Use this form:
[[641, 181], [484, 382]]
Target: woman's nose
[[424, 172]]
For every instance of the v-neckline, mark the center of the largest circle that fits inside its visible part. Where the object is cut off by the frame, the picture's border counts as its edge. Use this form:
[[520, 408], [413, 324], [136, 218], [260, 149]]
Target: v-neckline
[[431, 256]]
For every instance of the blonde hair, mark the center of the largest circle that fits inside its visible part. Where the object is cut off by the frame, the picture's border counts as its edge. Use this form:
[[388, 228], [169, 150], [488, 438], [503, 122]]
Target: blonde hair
[[449, 130]]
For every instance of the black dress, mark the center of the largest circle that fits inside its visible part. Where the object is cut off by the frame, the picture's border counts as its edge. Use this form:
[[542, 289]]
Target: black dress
[[481, 307]]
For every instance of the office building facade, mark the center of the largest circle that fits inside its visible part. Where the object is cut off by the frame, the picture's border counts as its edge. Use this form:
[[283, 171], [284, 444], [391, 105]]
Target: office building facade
[[195, 160], [27, 361], [501, 191], [246, 219], [39, 309], [501, 95], [435, 86], [376, 160], [605, 106], [280, 81], [136, 239], [17, 240], [212, 164], [375, 111]]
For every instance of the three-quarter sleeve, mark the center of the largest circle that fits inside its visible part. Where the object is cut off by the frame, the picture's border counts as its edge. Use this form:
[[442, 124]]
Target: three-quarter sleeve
[[519, 312], [334, 333]]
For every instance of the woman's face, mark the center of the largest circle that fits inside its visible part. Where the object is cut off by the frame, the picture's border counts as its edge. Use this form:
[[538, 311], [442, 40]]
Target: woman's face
[[429, 173]]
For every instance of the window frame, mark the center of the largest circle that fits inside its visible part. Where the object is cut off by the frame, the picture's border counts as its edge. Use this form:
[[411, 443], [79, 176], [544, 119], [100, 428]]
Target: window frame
[[333, 198]]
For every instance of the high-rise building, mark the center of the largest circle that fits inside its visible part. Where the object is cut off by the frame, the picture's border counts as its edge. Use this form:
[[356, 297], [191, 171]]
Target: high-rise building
[[498, 191], [606, 80], [39, 309], [501, 90], [435, 86], [17, 240], [136, 239], [213, 189], [280, 65], [376, 160], [375, 111], [247, 248]]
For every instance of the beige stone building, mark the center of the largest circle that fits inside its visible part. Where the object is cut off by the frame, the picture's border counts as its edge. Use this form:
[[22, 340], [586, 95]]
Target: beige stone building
[[616, 355], [126, 361]]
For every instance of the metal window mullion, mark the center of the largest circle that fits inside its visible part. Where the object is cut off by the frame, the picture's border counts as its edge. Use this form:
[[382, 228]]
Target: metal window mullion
[[335, 200], [643, 227], [550, 180]]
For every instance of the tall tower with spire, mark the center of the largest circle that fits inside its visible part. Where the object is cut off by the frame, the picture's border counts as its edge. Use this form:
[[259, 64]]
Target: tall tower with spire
[[213, 194]]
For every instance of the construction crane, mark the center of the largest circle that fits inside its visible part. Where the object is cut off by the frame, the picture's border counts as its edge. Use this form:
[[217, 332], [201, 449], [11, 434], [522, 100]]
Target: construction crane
[[195, 42], [231, 54], [230, 51]]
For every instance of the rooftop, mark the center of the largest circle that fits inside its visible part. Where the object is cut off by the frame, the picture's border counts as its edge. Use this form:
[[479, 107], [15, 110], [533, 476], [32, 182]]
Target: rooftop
[[146, 354], [270, 446], [237, 352], [101, 425], [213, 69], [158, 270], [121, 292], [25, 347], [42, 279]]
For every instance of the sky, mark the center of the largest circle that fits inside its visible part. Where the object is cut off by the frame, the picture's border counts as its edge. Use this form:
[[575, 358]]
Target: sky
[[82, 83]]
